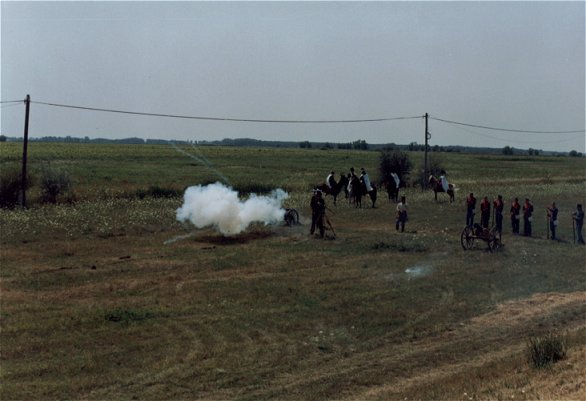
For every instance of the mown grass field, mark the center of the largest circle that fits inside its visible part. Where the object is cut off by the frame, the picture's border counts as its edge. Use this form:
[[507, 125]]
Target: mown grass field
[[106, 296]]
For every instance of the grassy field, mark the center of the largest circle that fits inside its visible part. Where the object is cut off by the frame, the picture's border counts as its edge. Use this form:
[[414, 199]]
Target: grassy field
[[108, 297]]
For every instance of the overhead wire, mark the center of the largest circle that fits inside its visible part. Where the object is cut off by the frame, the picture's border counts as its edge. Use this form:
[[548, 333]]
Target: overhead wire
[[532, 141], [226, 118], [505, 129]]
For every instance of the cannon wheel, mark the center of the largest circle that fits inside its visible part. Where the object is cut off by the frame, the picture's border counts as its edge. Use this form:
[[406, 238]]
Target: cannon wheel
[[467, 238], [291, 217], [494, 241]]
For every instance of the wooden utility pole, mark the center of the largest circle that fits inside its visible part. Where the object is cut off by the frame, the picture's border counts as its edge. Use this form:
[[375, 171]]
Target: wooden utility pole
[[427, 136], [24, 184]]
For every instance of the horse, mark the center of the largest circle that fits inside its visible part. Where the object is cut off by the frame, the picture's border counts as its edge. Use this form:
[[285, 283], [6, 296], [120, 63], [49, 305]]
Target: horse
[[358, 190], [436, 186], [334, 191], [391, 188]]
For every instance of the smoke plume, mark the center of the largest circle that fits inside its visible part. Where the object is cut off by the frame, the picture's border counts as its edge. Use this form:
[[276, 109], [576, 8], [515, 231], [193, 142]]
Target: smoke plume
[[218, 206]]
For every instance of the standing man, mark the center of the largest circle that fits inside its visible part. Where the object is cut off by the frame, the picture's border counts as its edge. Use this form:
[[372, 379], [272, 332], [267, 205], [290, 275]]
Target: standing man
[[401, 214], [498, 206], [578, 217], [470, 209], [485, 212], [552, 217], [318, 209], [527, 217], [515, 215]]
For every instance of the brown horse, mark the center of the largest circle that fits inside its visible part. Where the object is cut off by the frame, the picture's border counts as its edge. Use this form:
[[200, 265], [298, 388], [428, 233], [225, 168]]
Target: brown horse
[[436, 186]]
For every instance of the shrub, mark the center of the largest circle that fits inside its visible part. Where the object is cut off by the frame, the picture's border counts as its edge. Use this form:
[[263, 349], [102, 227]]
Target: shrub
[[10, 186], [434, 167], [546, 350], [53, 183], [394, 162]]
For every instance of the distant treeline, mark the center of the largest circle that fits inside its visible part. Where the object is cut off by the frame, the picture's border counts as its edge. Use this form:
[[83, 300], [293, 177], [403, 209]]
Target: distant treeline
[[356, 145]]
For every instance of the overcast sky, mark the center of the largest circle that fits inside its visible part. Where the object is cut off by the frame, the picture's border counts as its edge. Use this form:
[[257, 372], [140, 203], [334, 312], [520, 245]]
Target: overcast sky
[[511, 65]]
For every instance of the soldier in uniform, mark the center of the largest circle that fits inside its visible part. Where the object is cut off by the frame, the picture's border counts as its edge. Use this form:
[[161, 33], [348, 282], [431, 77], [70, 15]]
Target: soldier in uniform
[[498, 206], [552, 217], [527, 217], [578, 217], [470, 209], [485, 212], [515, 215]]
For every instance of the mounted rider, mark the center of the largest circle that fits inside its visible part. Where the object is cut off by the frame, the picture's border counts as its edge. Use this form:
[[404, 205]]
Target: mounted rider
[[444, 181], [331, 181], [365, 180]]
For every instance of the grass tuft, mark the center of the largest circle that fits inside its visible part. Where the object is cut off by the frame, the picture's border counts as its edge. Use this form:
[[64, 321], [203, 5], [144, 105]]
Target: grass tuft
[[543, 351], [128, 315]]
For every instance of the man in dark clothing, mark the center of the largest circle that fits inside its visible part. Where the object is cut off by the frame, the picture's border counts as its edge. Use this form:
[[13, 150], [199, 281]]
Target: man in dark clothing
[[552, 217], [527, 217], [470, 209], [515, 215], [318, 209], [485, 212], [498, 206]]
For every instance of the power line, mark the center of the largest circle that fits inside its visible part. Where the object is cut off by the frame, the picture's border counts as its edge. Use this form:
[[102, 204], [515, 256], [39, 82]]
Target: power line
[[11, 101], [506, 129], [524, 142], [226, 118]]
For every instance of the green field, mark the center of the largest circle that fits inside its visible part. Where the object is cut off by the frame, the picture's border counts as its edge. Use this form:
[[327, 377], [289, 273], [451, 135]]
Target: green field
[[106, 296]]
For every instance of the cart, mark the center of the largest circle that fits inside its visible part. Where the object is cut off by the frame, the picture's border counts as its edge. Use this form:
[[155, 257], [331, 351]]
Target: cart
[[491, 236]]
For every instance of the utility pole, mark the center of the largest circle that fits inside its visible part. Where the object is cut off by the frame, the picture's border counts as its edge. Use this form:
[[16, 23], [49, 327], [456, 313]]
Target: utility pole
[[427, 136], [27, 102]]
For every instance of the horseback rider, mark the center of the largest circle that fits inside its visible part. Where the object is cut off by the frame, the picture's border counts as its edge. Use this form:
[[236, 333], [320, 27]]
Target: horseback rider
[[444, 181], [365, 180], [331, 181], [318, 209], [396, 179]]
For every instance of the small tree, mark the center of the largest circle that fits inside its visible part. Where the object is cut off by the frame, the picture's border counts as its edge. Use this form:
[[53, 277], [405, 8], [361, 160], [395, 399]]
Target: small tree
[[394, 161], [435, 167], [53, 183], [11, 186], [509, 151], [574, 153]]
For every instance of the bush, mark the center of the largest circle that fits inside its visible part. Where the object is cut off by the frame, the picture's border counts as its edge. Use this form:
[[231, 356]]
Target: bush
[[10, 186], [434, 167], [156, 191], [53, 183], [394, 162], [544, 351]]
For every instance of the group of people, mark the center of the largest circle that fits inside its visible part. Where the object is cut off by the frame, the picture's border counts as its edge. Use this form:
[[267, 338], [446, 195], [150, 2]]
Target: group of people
[[497, 206], [516, 211]]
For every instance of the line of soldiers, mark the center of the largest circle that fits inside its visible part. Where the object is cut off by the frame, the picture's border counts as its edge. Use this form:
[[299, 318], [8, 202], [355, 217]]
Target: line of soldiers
[[516, 210]]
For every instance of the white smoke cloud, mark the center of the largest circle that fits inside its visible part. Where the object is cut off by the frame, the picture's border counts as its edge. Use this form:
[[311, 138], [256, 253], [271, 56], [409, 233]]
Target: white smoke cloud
[[218, 206]]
